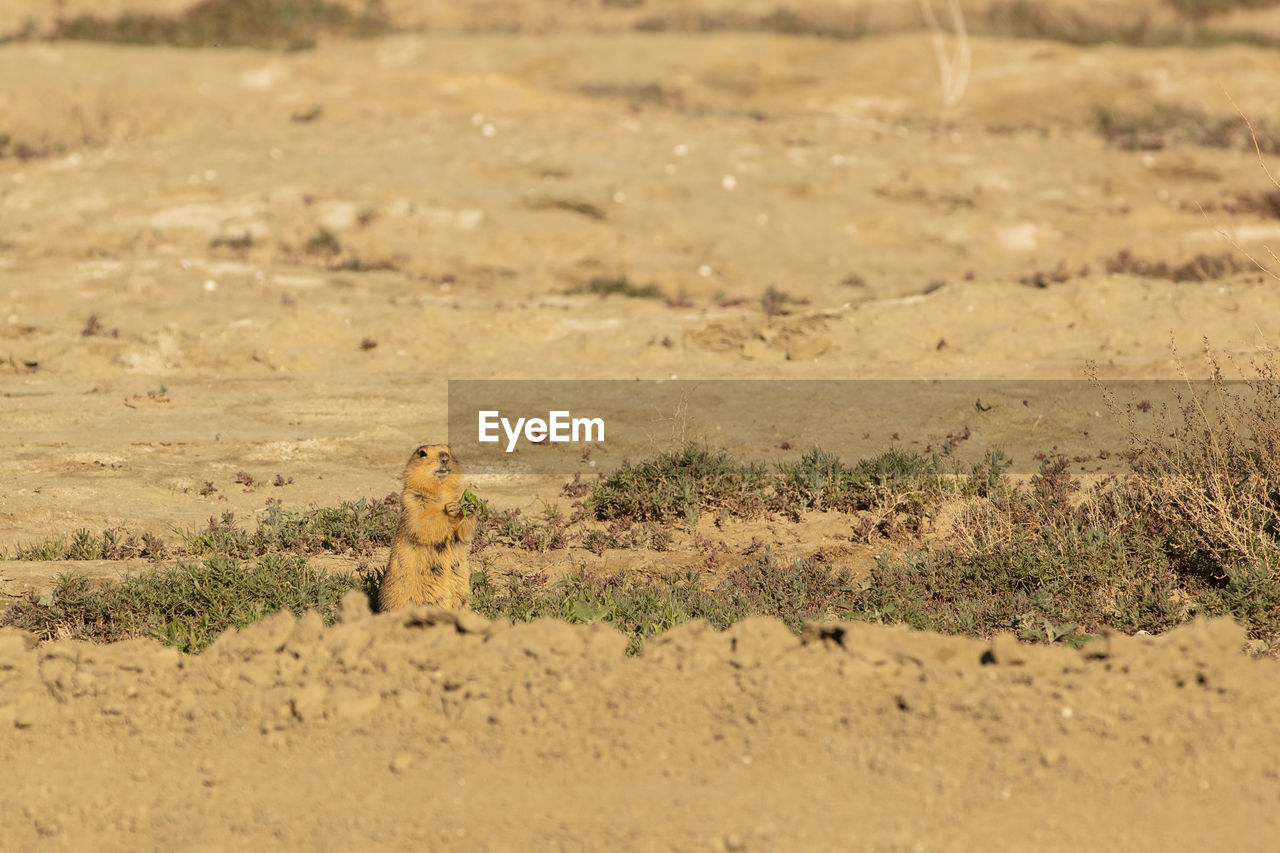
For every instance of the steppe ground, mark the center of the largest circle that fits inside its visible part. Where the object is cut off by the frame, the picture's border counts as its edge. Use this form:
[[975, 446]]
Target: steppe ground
[[238, 259]]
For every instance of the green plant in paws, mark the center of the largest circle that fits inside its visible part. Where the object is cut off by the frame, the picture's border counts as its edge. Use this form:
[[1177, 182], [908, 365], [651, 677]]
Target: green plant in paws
[[470, 503]]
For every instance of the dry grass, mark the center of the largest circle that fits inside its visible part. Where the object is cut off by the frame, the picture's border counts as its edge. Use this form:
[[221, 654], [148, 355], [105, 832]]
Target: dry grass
[[1214, 464]]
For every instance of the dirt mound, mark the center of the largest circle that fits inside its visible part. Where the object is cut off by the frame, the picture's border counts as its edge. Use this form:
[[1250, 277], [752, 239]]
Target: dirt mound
[[430, 726]]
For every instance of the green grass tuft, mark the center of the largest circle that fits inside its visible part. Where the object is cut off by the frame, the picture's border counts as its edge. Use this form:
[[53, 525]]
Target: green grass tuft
[[678, 485], [642, 608], [352, 527], [187, 605], [112, 544]]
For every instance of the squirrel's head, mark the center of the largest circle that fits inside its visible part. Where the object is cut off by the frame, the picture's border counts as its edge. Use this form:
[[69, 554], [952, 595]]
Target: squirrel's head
[[432, 468]]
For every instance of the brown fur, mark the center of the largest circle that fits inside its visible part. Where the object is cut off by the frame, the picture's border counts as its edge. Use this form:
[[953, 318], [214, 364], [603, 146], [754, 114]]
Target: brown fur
[[429, 555]]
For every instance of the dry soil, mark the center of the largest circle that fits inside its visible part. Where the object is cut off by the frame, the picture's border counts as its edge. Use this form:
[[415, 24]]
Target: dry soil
[[172, 313]]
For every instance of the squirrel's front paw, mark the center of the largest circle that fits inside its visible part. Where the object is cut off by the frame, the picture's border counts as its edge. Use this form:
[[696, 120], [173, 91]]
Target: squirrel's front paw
[[453, 508]]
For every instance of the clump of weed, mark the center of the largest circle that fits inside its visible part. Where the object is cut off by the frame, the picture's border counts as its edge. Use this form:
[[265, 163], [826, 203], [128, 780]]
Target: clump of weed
[[1202, 267], [221, 536], [571, 205], [1193, 528], [897, 490], [1265, 203], [186, 606], [1057, 275], [785, 21], [575, 488], [1047, 559], [775, 302], [352, 527], [323, 242], [1044, 579], [644, 607], [676, 486], [512, 527], [115, 543], [1173, 124], [276, 24], [620, 286], [638, 607], [987, 478], [358, 264], [639, 95], [1213, 467], [1113, 24], [627, 533], [93, 327], [1198, 9], [821, 481], [22, 150], [237, 245], [795, 592]]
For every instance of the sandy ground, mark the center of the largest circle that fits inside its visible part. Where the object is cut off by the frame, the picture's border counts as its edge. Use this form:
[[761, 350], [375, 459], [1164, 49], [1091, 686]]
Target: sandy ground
[[468, 180], [398, 733]]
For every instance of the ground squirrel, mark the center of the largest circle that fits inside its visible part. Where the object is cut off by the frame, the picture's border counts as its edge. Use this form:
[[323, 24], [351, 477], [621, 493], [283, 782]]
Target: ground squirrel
[[429, 555]]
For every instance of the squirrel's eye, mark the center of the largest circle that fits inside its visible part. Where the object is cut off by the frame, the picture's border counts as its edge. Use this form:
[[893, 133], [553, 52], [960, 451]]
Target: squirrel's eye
[[421, 453]]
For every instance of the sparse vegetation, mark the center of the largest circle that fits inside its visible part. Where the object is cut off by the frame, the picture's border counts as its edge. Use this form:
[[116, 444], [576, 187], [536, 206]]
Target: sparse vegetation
[[20, 149], [1164, 125], [679, 485], [820, 481], [1194, 527], [274, 24], [232, 245], [643, 608], [1202, 267], [93, 327], [323, 243], [357, 264], [1099, 24], [1213, 467], [187, 605], [352, 527], [639, 95], [775, 301], [619, 286], [1038, 560], [1204, 8], [784, 21], [112, 544], [1264, 203], [510, 527], [627, 533]]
